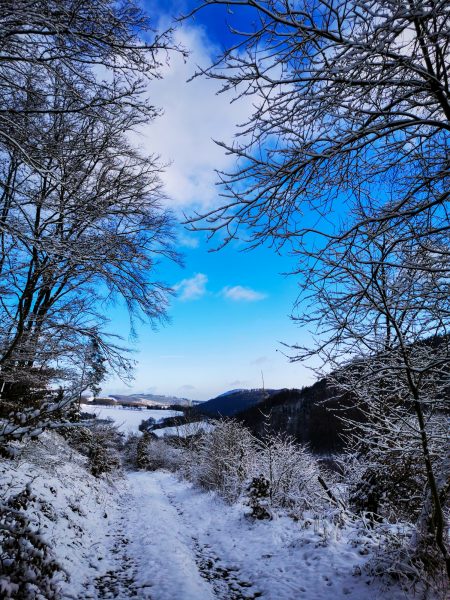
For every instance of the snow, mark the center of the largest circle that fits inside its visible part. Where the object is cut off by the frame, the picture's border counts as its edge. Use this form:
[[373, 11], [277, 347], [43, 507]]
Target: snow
[[128, 419], [181, 542], [78, 507], [157, 550], [184, 430], [230, 392], [151, 535]]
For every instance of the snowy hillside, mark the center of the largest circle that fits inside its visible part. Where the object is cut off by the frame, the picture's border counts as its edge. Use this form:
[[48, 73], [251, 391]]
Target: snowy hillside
[[128, 419], [152, 400], [153, 536], [70, 509]]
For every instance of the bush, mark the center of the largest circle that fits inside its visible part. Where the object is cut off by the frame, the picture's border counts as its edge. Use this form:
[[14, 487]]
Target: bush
[[391, 488], [27, 568], [231, 461], [142, 461], [153, 454], [225, 459], [258, 497], [130, 449], [147, 424], [292, 473], [101, 442]]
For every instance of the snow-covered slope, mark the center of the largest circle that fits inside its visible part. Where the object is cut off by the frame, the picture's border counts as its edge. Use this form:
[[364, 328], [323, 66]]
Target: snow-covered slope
[[185, 430], [73, 509], [128, 419], [152, 536], [152, 399]]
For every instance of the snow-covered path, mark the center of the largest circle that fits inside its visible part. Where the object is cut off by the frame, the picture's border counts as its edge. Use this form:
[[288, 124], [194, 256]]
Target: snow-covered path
[[171, 541], [155, 552], [152, 536]]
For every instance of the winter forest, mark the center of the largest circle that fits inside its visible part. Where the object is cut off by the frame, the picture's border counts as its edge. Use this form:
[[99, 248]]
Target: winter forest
[[338, 487]]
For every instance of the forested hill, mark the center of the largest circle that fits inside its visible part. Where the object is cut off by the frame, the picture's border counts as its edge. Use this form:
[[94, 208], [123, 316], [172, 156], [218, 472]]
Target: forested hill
[[233, 402], [311, 415]]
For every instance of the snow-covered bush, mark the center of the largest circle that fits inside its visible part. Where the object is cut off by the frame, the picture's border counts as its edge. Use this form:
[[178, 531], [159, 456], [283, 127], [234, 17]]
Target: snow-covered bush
[[20, 424], [385, 493], [130, 449], [258, 498], [103, 459], [389, 490], [142, 452], [225, 460], [395, 559], [153, 453], [27, 568], [231, 461], [101, 442], [147, 424], [292, 473]]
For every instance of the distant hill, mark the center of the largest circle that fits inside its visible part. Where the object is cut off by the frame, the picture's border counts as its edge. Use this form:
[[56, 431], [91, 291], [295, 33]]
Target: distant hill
[[311, 415], [230, 403], [231, 392]]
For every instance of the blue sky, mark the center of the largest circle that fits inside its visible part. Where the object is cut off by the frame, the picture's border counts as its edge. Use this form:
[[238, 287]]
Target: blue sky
[[232, 308]]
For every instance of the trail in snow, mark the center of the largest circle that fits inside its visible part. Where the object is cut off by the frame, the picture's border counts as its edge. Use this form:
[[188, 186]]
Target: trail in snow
[[225, 578], [119, 581], [156, 554], [171, 541]]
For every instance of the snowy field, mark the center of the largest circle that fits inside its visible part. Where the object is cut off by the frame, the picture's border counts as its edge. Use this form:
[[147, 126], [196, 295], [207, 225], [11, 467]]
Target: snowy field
[[128, 419], [185, 430]]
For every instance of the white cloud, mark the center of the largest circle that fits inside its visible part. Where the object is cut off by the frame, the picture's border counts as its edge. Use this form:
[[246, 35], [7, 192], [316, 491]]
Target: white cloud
[[238, 383], [188, 240], [194, 116], [241, 293], [192, 288]]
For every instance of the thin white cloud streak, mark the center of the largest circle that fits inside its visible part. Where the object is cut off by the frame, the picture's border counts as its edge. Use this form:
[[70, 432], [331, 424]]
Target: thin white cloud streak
[[192, 288], [239, 293], [261, 360], [238, 383]]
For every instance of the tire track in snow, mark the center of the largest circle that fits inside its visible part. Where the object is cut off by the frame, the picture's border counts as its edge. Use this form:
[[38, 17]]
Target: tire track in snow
[[120, 580], [156, 553], [152, 557], [224, 578]]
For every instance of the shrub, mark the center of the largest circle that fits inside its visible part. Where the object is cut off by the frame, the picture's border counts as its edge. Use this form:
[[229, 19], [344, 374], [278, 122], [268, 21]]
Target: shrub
[[225, 459], [292, 473], [101, 442], [258, 497], [153, 454], [147, 424], [27, 568], [391, 488], [130, 449]]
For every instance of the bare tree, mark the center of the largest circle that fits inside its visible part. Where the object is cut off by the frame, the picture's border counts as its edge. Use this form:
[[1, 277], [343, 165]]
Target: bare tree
[[108, 47], [381, 311], [352, 105], [84, 226], [352, 116]]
